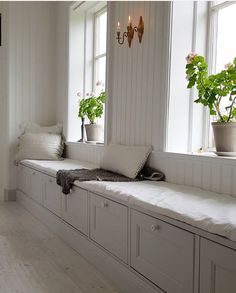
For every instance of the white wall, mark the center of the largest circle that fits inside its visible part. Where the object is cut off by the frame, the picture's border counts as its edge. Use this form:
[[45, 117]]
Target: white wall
[[136, 104], [31, 90], [4, 99]]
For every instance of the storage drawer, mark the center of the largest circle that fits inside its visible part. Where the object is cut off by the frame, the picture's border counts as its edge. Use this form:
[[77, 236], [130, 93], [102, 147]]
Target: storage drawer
[[163, 253], [217, 268], [24, 179], [109, 225], [75, 209], [52, 195], [37, 184]]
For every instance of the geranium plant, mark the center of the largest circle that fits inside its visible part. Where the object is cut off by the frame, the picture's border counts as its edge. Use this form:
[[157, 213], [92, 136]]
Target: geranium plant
[[214, 90], [92, 106]]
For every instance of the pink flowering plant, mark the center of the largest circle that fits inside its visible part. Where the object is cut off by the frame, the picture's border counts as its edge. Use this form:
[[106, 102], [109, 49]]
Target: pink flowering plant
[[216, 91], [92, 106]]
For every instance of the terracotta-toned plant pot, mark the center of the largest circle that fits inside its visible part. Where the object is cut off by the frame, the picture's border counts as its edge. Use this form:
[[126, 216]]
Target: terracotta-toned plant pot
[[225, 136], [94, 132]]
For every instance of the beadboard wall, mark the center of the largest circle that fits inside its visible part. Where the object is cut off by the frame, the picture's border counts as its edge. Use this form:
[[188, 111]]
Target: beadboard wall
[[3, 99], [137, 75], [210, 172], [31, 88]]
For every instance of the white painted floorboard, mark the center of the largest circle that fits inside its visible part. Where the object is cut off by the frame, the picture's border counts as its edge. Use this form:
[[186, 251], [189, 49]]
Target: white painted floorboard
[[34, 260]]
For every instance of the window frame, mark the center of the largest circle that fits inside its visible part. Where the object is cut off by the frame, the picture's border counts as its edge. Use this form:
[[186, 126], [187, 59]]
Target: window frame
[[97, 57]]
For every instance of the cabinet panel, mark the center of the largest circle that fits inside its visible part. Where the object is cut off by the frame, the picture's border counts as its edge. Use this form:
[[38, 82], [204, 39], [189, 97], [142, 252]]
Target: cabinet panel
[[163, 253], [37, 185], [52, 195], [109, 225], [24, 179], [75, 209], [217, 268]]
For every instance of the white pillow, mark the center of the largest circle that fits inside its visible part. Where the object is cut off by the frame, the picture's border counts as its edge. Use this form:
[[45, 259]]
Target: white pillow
[[32, 127], [40, 146], [125, 160]]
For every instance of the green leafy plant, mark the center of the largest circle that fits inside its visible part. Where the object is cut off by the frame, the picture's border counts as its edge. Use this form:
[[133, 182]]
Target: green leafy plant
[[92, 107], [214, 90]]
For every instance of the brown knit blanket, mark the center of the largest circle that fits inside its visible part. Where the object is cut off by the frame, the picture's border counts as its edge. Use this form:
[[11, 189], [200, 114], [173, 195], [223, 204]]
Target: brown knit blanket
[[66, 178]]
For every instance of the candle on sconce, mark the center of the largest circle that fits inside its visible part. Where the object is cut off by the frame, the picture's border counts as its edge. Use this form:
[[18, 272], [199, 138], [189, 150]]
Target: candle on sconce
[[118, 27], [129, 21]]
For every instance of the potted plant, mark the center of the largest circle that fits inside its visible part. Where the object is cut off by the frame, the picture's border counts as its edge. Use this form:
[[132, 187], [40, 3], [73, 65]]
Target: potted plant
[[92, 107], [218, 93]]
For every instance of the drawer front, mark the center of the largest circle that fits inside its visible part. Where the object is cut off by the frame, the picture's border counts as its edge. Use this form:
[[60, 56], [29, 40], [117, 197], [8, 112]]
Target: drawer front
[[37, 185], [75, 209], [217, 268], [52, 195], [24, 179], [109, 225], [163, 253]]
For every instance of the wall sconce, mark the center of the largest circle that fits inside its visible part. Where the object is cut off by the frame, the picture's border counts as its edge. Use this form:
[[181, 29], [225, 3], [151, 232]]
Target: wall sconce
[[130, 32]]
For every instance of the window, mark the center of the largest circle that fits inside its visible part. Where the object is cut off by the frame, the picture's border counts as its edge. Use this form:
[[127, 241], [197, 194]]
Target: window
[[87, 58], [99, 58], [189, 124], [223, 44]]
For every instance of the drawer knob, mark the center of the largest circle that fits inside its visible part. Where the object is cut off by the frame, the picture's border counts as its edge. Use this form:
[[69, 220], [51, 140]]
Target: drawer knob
[[154, 227], [104, 204], [33, 173], [50, 180]]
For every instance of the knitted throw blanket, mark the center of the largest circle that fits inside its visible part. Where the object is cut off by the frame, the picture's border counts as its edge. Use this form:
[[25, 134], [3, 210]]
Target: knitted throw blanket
[[66, 178]]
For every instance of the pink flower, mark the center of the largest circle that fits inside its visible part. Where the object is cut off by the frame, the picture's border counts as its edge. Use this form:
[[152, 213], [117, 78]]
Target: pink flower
[[228, 65], [190, 57], [187, 76], [99, 83]]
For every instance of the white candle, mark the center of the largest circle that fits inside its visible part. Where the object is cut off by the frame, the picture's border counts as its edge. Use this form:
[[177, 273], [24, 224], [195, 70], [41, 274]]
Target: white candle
[[129, 21], [118, 27]]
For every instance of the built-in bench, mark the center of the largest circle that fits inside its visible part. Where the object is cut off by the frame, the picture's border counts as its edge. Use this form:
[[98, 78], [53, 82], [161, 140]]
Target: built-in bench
[[145, 236]]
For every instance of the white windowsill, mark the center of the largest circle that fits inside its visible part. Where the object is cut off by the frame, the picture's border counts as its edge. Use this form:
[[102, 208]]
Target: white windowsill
[[204, 156], [74, 143]]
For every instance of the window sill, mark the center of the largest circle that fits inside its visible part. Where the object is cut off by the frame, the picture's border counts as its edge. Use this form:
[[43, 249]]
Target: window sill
[[204, 156], [86, 144]]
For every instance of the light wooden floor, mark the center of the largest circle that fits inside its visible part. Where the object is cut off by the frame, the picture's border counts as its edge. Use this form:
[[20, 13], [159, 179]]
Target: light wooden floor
[[34, 260]]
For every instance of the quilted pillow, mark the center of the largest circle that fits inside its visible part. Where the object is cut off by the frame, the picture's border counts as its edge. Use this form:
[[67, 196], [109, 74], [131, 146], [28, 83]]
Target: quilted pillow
[[125, 160], [40, 146]]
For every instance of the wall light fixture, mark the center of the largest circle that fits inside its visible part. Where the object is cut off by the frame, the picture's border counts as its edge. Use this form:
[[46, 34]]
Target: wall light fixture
[[130, 32]]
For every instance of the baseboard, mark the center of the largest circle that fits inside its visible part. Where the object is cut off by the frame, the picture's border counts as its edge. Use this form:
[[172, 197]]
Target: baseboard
[[9, 195], [120, 274]]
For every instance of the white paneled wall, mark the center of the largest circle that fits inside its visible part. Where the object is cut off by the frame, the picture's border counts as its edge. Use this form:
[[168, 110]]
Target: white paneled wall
[[209, 173], [32, 68], [28, 62], [135, 91], [84, 152], [3, 98]]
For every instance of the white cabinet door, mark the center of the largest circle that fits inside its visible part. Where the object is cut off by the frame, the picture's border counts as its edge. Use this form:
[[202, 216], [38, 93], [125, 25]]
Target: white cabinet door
[[24, 179], [52, 195], [163, 253], [109, 225], [217, 268], [37, 186], [75, 209]]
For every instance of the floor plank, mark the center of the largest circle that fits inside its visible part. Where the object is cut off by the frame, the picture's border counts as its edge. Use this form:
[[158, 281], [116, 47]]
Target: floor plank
[[34, 260]]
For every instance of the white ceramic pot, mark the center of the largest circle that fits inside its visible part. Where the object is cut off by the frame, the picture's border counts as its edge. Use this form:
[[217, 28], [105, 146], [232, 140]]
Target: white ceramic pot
[[225, 136], [94, 132]]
